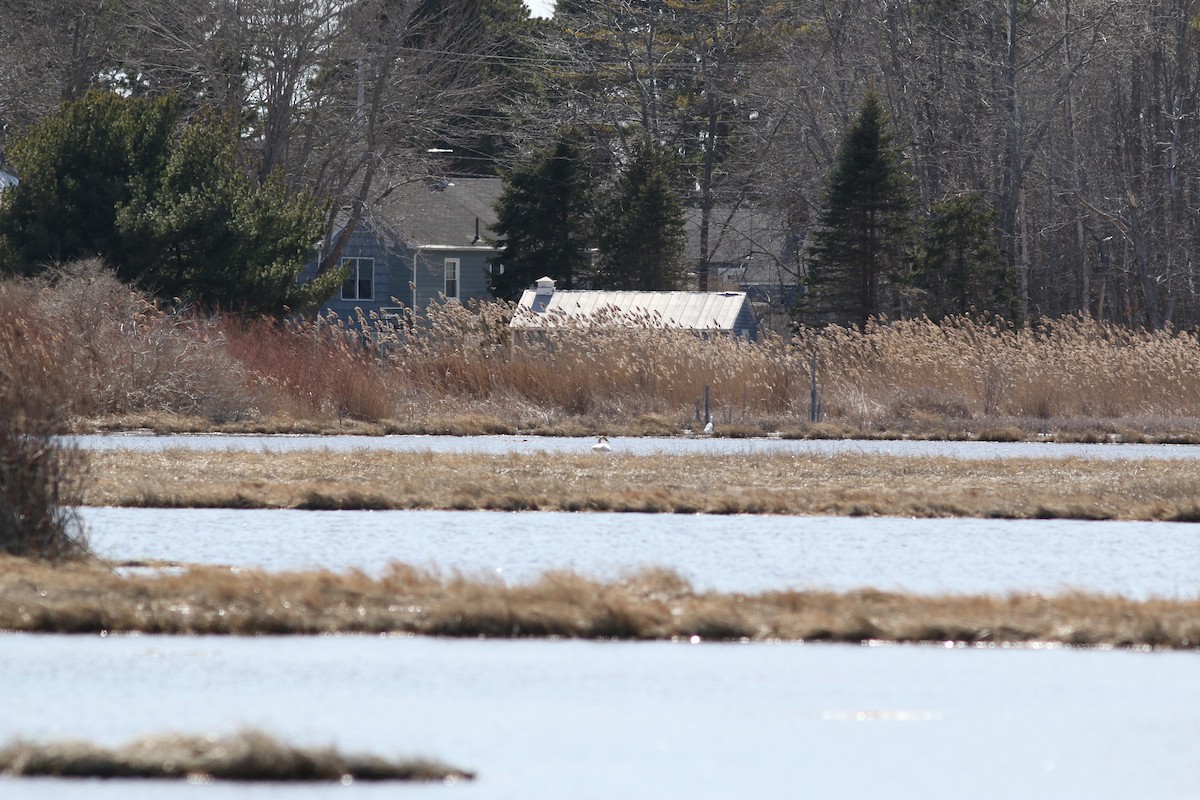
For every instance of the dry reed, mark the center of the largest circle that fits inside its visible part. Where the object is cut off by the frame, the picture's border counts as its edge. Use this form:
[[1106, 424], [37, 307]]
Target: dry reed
[[848, 484], [652, 604], [91, 346], [112, 357], [246, 756]]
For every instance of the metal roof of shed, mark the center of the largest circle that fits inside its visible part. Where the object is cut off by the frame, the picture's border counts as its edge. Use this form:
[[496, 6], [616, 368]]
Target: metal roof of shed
[[701, 311]]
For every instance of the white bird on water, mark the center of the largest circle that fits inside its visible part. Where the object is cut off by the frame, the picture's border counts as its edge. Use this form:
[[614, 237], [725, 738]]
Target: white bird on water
[[602, 445]]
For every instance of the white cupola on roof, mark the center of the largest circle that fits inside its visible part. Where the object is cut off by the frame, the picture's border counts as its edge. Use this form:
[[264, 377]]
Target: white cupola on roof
[[542, 295]]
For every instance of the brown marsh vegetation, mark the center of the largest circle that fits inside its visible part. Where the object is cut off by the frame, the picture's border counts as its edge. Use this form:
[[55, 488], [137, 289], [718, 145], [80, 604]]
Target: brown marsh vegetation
[[107, 356], [653, 604], [246, 756], [41, 478], [846, 484], [113, 359]]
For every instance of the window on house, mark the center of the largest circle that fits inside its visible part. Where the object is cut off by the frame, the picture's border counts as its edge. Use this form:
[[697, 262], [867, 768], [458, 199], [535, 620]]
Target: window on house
[[360, 279], [451, 265]]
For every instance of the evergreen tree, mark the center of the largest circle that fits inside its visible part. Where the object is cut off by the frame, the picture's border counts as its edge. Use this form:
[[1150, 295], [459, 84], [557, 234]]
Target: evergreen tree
[[76, 169], [641, 226], [542, 220], [859, 250], [201, 229], [959, 268], [161, 201]]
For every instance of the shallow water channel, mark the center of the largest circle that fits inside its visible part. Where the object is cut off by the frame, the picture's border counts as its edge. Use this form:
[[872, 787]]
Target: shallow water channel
[[635, 445], [603, 720], [727, 553]]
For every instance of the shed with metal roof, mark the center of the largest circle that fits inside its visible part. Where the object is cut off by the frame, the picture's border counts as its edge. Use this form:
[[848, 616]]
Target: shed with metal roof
[[546, 308]]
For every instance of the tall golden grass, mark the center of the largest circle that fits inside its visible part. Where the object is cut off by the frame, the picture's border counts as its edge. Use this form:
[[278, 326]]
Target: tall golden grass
[[112, 357], [652, 604]]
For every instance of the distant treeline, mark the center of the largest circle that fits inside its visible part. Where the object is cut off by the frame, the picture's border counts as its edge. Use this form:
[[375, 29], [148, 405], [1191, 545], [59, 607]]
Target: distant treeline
[[1072, 121]]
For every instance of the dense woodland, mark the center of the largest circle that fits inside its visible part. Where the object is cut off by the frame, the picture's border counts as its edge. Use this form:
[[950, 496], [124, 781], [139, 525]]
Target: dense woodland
[[1043, 152]]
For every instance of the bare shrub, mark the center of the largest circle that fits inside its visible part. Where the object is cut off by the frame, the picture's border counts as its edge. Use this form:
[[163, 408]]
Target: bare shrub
[[40, 480], [94, 346]]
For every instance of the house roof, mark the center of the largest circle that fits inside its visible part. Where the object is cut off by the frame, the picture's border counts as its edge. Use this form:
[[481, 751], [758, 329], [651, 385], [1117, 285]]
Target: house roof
[[735, 233], [700, 311], [7, 180], [747, 245], [448, 212]]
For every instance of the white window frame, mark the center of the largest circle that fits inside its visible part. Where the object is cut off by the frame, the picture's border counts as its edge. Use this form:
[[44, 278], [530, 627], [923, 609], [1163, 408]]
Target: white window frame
[[355, 278], [452, 277]]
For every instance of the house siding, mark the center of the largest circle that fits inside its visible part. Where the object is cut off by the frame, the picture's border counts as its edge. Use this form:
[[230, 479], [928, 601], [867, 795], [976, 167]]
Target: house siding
[[423, 223], [390, 275], [394, 275], [746, 325], [472, 274]]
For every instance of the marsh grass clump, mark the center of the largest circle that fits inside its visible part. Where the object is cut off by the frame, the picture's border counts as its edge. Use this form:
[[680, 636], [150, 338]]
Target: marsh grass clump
[[650, 604], [984, 373], [317, 369], [245, 756]]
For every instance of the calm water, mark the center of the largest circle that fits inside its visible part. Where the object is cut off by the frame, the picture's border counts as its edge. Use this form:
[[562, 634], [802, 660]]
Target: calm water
[[541, 719], [612, 720], [638, 446], [743, 553]]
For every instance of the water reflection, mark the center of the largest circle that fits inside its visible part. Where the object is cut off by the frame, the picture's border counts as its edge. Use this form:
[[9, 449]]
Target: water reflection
[[727, 553]]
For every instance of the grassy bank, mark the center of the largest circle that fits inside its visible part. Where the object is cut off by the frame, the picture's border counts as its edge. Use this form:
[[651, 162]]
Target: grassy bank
[[246, 756], [113, 359], [849, 484], [653, 604]]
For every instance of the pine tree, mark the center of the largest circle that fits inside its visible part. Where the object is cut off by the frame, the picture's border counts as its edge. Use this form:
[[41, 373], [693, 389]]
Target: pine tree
[[959, 269], [163, 202], [542, 220], [202, 230], [859, 251], [641, 227], [76, 169]]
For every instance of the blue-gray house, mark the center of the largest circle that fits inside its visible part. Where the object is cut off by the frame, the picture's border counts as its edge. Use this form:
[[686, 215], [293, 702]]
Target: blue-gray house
[[758, 251], [425, 244]]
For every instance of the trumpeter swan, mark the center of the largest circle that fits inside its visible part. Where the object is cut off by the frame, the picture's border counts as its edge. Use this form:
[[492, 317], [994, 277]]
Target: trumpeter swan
[[602, 445]]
